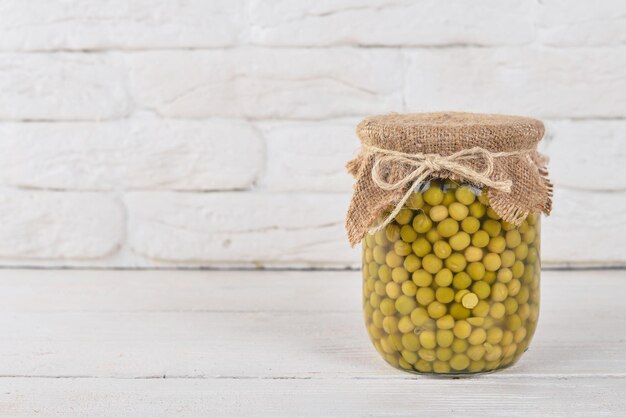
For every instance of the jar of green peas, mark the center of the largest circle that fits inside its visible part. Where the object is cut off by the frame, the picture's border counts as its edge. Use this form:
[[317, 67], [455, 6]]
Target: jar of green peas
[[451, 258]]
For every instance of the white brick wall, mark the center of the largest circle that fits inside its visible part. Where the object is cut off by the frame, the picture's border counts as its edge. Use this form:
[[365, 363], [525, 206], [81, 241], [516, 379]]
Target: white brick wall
[[214, 133]]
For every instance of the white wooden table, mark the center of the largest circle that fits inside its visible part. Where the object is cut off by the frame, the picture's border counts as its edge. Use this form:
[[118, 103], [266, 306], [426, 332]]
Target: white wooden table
[[224, 343]]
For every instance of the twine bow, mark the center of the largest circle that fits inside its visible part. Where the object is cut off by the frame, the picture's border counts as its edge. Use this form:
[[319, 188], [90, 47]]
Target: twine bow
[[424, 165]]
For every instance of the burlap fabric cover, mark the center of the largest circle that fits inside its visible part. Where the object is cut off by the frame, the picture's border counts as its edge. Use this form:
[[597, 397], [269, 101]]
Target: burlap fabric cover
[[445, 134]]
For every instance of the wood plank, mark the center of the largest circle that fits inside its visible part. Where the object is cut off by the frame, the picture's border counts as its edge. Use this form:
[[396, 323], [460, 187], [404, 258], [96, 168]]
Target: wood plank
[[418, 396], [263, 325]]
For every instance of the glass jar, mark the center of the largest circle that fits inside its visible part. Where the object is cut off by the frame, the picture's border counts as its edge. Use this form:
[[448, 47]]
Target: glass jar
[[449, 287]]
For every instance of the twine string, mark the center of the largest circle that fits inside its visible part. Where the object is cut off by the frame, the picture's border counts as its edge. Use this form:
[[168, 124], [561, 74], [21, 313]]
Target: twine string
[[425, 165]]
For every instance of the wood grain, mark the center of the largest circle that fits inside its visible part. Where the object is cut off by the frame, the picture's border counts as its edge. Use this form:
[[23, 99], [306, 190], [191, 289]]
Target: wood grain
[[279, 343]]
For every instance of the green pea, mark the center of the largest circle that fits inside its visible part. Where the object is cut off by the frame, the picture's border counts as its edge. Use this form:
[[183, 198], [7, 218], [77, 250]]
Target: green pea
[[465, 195], [497, 310], [517, 269], [473, 254], [419, 316], [510, 305], [458, 311], [404, 216], [427, 354], [492, 262], [513, 238], [460, 241], [492, 227], [425, 295], [379, 253], [438, 213], [469, 300], [476, 270], [388, 307], [492, 214], [496, 245], [407, 233], [409, 288], [482, 289], [508, 258], [392, 232], [448, 227], [381, 238], [432, 264], [459, 345], [478, 336], [433, 196], [514, 322], [521, 251], [444, 337], [402, 248], [530, 235], [433, 236], [410, 342], [421, 247], [459, 362], [444, 277], [476, 352], [444, 354], [427, 339], [422, 278], [422, 223], [462, 329], [494, 335], [481, 309], [458, 211], [461, 280], [505, 275], [392, 289], [409, 356], [412, 263], [390, 324], [444, 294], [445, 322], [405, 325], [415, 201], [470, 225], [436, 309], [477, 210], [405, 304], [456, 262], [384, 273], [448, 198], [514, 287], [379, 288], [442, 249], [377, 318], [480, 239], [399, 274]]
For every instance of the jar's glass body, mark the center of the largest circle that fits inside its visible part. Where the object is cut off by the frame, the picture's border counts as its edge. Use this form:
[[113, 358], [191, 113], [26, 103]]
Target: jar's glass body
[[449, 287]]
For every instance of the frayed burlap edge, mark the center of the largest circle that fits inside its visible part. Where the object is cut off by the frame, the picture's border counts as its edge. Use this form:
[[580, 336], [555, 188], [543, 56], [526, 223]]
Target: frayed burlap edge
[[443, 134]]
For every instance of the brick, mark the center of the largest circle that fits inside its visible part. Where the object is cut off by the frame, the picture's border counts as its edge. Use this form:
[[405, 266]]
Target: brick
[[80, 25], [309, 156], [266, 83], [254, 229], [550, 83], [385, 23], [572, 24], [62, 87], [586, 155], [586, 228], [134, 154], [52, 225]]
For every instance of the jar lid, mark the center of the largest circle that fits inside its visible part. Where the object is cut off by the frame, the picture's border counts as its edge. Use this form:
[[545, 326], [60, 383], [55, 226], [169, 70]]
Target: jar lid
[[495, 152], [443, 132]]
